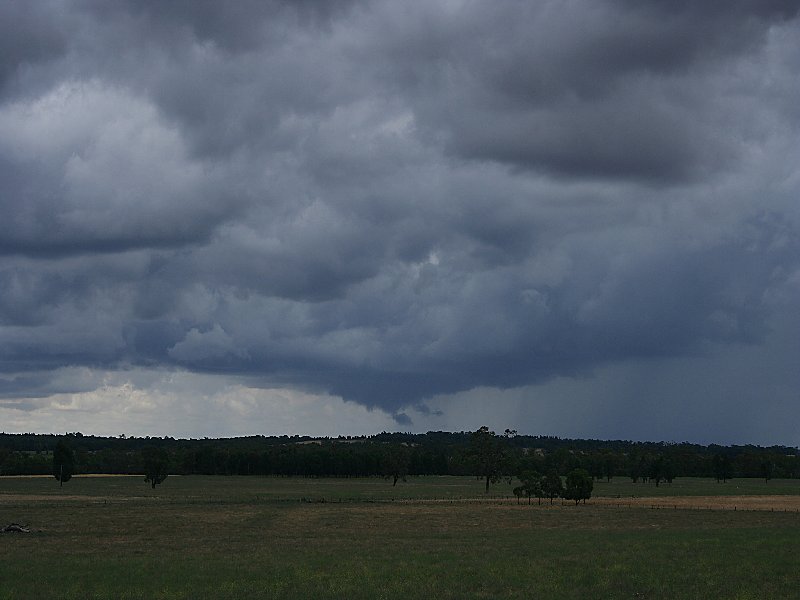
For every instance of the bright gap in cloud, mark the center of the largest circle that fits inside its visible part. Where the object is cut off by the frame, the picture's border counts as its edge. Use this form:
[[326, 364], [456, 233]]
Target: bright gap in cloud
[[183, 404]]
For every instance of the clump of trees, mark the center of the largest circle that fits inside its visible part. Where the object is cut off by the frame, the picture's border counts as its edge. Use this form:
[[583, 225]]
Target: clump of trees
[[532, 486], [552, 485], [396, 456], [578, 486], [494, 460]]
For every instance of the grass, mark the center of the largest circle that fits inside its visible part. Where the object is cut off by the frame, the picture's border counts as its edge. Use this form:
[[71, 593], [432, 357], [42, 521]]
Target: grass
[[696, 486], [257, 488], [237, 537], [290, 489]]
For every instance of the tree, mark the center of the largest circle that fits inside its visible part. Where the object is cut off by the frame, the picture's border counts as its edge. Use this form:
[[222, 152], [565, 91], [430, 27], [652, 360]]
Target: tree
[[488, 453], [635, 469], [656, 470], [63, 462], [563, 460], [395, 462], [669, 469], [609, 465], [552, 486], [156, 462], [579, 486], [531, 485], [595, 465], [722, 467], [644, 468], [767, 468]]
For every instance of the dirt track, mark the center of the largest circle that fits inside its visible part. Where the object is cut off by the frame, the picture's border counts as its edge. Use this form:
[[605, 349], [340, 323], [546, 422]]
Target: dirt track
[[769, 503]]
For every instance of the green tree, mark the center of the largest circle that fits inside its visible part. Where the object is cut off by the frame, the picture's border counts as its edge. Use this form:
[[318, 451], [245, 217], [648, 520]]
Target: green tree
[[395, 461], [563, 460], [63, 461], [609, 465], [767, 468], [595, 465], [552, 486], [635, 469], [579, 486], [156, 462], [489, 455], [644, 468], [669, 469], [532, 485], [656, 470], [722, 467]]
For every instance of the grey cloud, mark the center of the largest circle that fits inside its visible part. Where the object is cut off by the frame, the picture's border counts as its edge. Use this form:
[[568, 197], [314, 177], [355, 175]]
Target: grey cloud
[[497, 327], [234, 78], [719, 8], [89, 168], [585, 89], [29, 33], [237, 27], [37, 384], [213, 344], [392, 202]]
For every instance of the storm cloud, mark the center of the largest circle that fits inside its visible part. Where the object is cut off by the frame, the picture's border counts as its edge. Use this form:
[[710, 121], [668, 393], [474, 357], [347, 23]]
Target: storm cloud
[[398, 204]]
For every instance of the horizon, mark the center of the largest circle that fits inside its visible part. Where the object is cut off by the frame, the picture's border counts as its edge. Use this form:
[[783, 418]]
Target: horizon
[[373, 435]]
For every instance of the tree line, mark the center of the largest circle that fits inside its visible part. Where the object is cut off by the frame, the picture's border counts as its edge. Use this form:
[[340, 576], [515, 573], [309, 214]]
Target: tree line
[[397, 455]]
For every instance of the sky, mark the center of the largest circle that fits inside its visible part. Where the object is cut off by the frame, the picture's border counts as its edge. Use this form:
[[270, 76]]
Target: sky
[[577, 218]]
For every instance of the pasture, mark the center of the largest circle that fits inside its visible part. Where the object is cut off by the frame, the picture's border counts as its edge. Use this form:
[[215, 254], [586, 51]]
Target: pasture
[[253, 537]]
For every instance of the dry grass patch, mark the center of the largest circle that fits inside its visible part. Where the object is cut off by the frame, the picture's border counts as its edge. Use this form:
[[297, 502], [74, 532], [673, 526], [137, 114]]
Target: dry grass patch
[[765, 503]]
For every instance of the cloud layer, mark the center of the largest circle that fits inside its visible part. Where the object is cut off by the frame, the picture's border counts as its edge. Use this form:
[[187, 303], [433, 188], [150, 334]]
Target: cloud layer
[[393, 203]]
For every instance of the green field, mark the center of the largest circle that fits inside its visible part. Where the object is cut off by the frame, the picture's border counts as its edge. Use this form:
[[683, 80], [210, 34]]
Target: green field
[[238, 537], [695, 486], [291, 489]]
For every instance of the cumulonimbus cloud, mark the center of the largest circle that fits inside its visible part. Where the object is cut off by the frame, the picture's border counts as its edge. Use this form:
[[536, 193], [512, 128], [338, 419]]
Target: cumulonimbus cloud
[[390, 201]]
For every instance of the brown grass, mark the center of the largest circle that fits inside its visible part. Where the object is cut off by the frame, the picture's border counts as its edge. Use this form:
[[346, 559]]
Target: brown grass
[[767, 503]]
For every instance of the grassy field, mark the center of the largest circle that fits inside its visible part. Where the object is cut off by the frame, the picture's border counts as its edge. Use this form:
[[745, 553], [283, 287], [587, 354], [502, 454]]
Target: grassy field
[[258, 489], [219, 537], [694, 486]]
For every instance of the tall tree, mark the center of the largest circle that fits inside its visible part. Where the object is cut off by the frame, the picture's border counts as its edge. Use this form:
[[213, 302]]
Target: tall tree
[[395, 461], [767, 468], [552, 486], [609, 465], [531, 485], [489, 454], [656, 470], [579, 486], [63, 461], [722, 467], [635, 468], [156, 462]]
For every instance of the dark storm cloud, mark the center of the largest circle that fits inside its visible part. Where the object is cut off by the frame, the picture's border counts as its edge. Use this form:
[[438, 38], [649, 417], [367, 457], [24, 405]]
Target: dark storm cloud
[[390, 201], [29, 34], [237, 27], [32, 386], [582, 89]]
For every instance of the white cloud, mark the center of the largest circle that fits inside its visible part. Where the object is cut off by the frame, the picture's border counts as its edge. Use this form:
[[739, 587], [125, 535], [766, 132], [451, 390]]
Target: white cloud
[[182, 404]]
